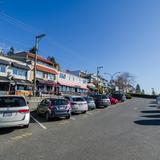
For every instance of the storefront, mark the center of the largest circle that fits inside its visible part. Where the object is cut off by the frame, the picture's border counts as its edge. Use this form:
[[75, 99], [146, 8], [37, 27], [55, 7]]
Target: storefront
[[72, 89], [4, 85], [46, 86]]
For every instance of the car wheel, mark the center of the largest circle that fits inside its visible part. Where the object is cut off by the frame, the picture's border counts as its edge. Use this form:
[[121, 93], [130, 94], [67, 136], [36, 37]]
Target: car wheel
[[26, 126], [84, 112], [68, 117], [47, 116]]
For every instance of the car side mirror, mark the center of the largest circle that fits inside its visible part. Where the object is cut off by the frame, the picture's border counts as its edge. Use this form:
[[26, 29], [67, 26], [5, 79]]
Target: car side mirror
[[27, 102]]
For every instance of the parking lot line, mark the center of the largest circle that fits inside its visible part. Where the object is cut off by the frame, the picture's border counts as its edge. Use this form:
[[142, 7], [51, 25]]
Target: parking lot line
[[89, 113], [72, 118], [40, 124]]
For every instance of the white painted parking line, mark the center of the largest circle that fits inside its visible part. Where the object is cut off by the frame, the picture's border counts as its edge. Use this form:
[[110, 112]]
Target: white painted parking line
[[40, 124], [89, 113], [72, 118]]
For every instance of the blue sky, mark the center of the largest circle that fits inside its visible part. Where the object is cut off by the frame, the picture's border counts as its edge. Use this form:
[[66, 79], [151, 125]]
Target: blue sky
[[121, 35]]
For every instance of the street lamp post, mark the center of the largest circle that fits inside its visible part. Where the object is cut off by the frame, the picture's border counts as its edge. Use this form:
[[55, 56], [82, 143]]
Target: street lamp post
[[35, 60], [98, 68]]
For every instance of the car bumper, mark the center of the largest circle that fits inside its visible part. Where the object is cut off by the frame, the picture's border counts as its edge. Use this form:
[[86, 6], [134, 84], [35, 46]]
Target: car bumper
[[60, 114], [17, 123], [77, 110], [91, 106]]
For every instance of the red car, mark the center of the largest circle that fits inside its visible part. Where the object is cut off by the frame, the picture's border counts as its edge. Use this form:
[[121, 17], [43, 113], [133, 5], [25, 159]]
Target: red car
[[113, 100]]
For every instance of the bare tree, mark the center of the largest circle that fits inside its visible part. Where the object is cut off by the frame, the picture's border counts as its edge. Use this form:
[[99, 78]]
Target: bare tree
[[125, 81]]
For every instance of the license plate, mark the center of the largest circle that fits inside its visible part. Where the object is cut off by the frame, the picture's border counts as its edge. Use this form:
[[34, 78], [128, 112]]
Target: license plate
[[9, 114]]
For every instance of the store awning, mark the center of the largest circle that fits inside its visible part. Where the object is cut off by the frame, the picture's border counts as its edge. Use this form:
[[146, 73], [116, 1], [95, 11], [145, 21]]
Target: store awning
[[4, 62], [49, 83], [46, 69], [73, 85], [23, 82], [4, 80], [16, 65]]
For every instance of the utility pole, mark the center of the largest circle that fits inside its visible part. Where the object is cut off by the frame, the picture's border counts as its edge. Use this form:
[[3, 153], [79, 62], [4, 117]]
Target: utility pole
[[35, 61], [112, 78]]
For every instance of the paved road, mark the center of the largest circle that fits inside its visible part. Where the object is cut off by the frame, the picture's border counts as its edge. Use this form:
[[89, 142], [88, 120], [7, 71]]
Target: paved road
[[128, 131]]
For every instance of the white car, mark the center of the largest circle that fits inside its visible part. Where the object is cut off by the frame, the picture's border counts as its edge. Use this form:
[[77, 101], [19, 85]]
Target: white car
[[78, 104], [14, 111]]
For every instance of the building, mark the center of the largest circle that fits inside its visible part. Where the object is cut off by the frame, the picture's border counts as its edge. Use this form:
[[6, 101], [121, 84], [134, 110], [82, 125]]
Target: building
[[46, 72], [69, 83], [95, 84], [14, 76]]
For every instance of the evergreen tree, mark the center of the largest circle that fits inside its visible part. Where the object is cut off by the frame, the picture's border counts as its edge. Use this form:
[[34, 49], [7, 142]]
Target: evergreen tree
[[10, 52], [52, 59], [143, 92], [138, 89], [33, 50], [153, 92]]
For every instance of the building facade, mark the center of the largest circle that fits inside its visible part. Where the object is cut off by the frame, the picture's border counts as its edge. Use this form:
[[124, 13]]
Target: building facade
[[14, 76], [46, 72], [69, 83]]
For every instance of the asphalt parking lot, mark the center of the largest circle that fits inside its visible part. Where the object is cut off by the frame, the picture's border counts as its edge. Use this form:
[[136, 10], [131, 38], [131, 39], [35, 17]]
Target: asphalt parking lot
[[124, 131]]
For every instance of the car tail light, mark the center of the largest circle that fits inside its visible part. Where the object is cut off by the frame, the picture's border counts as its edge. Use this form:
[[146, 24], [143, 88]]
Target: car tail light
[[23, 110]]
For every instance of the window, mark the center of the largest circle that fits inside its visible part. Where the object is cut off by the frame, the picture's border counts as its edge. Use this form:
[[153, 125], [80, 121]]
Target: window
[[12, 102], [62, 75], [39, 74], [51, 77], [2, 68], [78, 99], [19, 72]]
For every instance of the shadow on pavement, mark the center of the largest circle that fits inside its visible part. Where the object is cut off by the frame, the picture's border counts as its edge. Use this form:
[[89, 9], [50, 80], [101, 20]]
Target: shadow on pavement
[[148, 122], [153, 102], [151, 111], [151, 116], [41, 118], [152, 106], [6, 130]]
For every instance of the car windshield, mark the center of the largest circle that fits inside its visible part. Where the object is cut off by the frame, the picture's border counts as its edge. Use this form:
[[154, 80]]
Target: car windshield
[[60, 102], [78, 99], [12, 102]]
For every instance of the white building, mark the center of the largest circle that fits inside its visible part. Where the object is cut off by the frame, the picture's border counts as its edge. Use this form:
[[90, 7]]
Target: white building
[[71, 84], [14, 75]]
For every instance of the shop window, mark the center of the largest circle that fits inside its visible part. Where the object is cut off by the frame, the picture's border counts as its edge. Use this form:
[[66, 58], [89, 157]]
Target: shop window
[[39, 74], [2, 68], [62, 75], [19, 72]]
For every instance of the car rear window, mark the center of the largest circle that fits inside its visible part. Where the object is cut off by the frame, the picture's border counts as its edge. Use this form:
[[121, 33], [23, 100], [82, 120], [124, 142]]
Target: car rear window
[[78, 99], [12, 102], [104, 97], [60, 102], [88, 98]]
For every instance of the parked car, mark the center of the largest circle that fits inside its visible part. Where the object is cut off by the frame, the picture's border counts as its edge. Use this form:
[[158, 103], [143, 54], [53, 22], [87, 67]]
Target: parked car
[[54, 108], [119, 95], [101, 100], [78, 104], [14, 111], [113, 100], [158, 101], [90, 102]]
